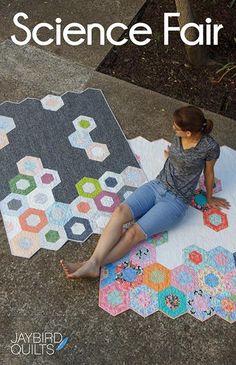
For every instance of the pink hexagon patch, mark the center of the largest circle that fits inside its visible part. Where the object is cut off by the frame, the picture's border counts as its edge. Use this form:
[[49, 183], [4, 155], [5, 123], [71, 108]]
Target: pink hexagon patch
[[107, 201], [113, 299]]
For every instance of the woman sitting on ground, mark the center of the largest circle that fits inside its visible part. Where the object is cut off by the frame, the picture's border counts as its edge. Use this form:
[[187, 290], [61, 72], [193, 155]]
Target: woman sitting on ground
[[160, 204]]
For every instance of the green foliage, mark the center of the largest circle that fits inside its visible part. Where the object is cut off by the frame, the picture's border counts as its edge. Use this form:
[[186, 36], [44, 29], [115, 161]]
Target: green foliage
[[232, 3], [229, 68]]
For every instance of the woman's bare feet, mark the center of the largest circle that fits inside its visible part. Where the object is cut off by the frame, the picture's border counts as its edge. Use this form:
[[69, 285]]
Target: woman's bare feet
[[90, 269], [70, 267]]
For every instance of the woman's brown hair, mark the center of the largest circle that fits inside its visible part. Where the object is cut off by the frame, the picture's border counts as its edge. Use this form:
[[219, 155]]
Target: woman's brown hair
[[190, 118]]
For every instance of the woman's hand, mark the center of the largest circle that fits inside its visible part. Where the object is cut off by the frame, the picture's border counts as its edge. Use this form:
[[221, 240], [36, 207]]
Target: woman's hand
[[218, 203], [167, 152]]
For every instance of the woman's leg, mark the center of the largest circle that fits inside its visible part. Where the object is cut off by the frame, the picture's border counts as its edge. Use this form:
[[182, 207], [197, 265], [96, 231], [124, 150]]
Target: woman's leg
[[161, 217], [110, 236], [101, 256], [131, 237], [134, 207]]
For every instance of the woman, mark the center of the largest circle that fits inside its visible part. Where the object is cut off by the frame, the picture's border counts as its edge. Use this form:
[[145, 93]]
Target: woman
[[161, 203]]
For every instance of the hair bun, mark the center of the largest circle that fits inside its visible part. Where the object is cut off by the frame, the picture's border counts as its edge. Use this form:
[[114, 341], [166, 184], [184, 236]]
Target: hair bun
[[207, 126]]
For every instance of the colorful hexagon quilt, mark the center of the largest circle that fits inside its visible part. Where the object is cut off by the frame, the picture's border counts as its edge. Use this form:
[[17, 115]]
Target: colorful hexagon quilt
[[203, 286], [72, 168]]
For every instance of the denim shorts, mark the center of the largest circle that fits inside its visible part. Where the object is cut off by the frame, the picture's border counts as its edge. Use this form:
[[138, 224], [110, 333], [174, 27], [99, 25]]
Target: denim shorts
[[155, 208]]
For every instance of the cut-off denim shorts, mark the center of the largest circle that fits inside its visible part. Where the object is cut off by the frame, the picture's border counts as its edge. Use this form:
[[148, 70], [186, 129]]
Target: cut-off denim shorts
[[155, 208]]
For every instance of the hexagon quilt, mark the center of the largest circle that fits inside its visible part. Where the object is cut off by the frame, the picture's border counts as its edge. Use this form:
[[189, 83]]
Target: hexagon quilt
[[203, 286], [72, 168]]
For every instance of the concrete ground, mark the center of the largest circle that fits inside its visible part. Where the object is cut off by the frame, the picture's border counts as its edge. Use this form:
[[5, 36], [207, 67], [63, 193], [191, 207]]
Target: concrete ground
[[35, 296]]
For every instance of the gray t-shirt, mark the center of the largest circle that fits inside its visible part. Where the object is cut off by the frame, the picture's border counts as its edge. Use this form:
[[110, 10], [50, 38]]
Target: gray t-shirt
[[183, 167]]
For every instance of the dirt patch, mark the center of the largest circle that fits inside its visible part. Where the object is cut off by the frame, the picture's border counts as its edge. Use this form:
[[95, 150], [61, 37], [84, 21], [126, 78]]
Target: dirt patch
[[164, 68]]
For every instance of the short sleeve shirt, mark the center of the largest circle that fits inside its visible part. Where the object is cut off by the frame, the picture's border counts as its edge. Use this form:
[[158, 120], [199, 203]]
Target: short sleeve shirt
[[183, 167]]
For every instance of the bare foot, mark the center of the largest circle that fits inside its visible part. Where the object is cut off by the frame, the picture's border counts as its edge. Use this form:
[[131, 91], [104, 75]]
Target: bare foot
[[89, 270], [70, 267]]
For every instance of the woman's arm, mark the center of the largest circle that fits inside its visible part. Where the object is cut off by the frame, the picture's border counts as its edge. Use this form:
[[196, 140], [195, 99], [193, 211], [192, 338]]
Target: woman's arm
[[209, 178], [213, 202]]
